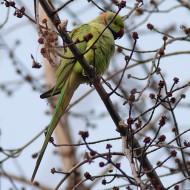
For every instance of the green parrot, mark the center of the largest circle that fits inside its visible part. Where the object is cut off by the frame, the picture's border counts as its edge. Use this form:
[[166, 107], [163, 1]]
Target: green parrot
[[70, 74]]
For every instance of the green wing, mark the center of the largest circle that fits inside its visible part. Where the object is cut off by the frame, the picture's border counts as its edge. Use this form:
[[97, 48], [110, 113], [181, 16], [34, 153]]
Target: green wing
[[66, 66]]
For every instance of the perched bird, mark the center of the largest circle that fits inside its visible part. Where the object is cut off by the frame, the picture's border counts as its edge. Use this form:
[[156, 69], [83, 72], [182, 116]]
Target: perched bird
[[70, 74]]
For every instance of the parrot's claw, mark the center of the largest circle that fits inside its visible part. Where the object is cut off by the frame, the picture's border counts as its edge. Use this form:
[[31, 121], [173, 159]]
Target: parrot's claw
[[84, 73]]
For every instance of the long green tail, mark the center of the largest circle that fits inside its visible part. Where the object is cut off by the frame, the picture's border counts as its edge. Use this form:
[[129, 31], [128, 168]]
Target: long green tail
[[67, 92]]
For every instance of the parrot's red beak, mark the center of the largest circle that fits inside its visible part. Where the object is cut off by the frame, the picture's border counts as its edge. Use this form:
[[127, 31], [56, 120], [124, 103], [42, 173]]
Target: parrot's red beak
[[121, 32], [118, 35]]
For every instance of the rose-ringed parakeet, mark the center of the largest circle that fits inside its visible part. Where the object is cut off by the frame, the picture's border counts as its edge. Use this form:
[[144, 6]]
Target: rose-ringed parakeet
[[70, 74]]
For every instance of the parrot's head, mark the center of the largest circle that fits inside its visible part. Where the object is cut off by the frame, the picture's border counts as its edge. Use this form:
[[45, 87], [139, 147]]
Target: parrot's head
[[117, 24]]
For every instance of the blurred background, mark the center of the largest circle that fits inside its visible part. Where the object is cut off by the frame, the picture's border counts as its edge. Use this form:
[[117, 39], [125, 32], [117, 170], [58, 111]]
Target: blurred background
[[23, 115]]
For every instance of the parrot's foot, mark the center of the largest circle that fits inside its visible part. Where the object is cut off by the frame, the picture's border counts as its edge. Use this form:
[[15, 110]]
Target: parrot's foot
[[91, 76], [84, 73]]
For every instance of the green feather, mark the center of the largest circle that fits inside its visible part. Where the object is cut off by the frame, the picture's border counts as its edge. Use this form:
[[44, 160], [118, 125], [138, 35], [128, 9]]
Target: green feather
[[66, 94], [70, 74]]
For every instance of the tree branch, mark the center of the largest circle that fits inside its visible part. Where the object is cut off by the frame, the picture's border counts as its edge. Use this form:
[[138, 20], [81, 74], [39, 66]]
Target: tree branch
[[102, 93]]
